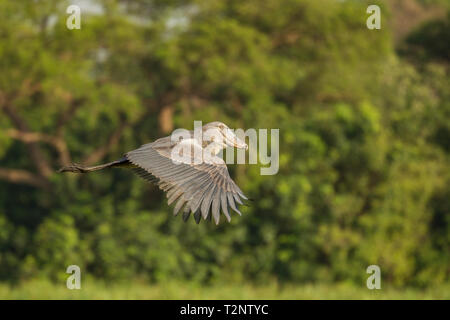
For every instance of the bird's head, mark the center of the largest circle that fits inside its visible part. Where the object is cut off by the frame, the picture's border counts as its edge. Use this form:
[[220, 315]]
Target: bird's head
[[220, 133]]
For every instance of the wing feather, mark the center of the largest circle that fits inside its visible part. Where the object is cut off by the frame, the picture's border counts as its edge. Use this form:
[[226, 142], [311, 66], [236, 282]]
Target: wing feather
[[206, 204], [216, 206], [178, 206], [223, 200], [232, 204]]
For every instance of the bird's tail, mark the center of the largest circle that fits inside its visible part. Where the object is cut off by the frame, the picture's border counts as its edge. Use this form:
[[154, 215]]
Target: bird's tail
[[77, 168]]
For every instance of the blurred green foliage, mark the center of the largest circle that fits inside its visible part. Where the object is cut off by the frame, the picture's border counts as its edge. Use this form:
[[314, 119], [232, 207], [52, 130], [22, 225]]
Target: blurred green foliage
[[364, 141], [97, 290]]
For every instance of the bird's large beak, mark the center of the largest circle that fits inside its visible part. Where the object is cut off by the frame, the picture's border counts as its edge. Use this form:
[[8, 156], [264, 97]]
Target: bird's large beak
[[233, 141]]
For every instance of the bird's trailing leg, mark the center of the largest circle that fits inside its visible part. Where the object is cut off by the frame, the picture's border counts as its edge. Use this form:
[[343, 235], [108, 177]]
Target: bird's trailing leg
[[77, 168]]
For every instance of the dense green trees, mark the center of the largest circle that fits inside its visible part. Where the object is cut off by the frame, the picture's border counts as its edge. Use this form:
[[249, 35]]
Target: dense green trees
[[364, 140]]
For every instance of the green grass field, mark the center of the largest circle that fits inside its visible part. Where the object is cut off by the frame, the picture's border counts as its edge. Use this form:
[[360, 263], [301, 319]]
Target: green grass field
[[136, 290]]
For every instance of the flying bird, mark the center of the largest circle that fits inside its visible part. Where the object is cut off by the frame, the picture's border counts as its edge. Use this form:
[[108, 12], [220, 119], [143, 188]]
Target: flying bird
[[186, 167]]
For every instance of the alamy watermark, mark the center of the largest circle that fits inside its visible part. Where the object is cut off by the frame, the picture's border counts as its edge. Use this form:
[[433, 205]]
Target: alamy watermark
[[374, 20], [73, 281], [74, 20], [205, 144], [373, 281]]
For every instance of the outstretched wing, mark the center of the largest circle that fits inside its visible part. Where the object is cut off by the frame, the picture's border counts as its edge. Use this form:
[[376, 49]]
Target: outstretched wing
[[202, 189]]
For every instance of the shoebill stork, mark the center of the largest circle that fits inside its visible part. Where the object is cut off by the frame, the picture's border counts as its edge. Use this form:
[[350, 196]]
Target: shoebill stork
[[203, 188]]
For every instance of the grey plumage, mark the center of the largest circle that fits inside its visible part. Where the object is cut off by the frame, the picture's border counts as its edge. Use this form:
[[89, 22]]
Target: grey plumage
[[198, 187], [203, 189]]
